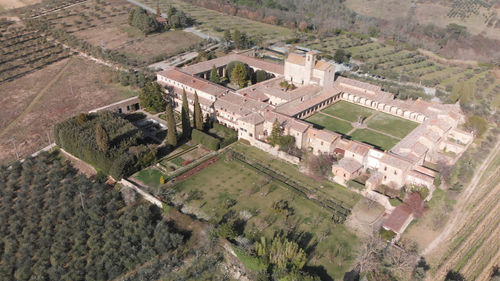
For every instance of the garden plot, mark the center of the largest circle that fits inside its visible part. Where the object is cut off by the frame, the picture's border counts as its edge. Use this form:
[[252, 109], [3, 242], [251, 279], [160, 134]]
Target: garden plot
[[230, 185]]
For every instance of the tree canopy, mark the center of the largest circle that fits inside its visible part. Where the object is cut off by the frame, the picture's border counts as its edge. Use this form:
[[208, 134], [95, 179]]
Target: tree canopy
[[151, 97], [144, 21]]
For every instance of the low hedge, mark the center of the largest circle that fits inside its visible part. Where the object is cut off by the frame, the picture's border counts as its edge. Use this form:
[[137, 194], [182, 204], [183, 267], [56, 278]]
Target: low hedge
[[205, 139]]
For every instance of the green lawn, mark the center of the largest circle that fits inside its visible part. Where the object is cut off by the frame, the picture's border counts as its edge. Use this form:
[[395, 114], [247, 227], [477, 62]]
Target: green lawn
[[333, 124], [328, 188], [348, 111], [150, 176], [368, 136], [233, 185], [392, 125]]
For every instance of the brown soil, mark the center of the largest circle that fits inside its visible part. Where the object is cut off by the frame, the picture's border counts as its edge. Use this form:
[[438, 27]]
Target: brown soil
[[81, 87]]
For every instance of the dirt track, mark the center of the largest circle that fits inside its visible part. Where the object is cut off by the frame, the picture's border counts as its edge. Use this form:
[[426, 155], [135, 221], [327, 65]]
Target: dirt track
[[472, 233]]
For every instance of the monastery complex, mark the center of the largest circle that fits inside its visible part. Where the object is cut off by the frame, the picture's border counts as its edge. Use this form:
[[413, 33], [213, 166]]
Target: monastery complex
[[253, 110]]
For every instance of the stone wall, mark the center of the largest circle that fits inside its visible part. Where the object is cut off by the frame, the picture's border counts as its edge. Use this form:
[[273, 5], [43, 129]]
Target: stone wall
[[275, 152], [143, 193]]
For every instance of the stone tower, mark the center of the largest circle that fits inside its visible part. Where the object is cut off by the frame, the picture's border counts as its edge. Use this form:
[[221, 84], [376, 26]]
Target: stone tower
[[309, 66]]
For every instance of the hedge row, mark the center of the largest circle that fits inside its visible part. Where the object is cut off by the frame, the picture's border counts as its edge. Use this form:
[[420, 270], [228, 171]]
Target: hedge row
[[205, 139]]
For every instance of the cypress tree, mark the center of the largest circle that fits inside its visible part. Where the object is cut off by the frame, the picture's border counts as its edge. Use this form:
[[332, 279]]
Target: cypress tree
[[214, 75], [186, 122], [102, 138], [172, 130], [198, 115]]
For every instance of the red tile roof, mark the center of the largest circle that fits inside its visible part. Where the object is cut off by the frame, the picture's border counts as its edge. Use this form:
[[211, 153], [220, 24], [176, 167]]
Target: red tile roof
[[194, 82]]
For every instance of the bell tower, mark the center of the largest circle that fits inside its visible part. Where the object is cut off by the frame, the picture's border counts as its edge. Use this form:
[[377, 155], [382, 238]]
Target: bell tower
[[309, 66]]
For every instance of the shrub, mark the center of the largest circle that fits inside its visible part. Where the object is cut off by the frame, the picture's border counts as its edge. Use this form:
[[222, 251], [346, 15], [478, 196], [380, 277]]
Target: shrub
[[387, 234], [205, 139], [251, 262]]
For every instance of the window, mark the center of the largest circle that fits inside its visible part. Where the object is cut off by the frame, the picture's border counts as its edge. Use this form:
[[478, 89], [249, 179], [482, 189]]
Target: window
[[385, 168], [385, 177], [251, 134], [321, 143], [395, 172]]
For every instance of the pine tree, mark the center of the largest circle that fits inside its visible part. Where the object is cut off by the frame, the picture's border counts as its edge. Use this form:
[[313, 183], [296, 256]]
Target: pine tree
[[172, 130], [214, 75], [102, 138], [198, 115], [186, 122]]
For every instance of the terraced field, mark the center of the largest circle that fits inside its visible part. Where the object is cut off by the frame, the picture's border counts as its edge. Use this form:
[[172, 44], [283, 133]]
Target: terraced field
[[400, 64]]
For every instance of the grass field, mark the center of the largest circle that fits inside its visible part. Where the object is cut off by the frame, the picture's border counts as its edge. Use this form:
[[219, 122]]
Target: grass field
[[330, 123], [392, 125], [232, 185], [348, 111], [328, 188], [35, 102], [368, 136]]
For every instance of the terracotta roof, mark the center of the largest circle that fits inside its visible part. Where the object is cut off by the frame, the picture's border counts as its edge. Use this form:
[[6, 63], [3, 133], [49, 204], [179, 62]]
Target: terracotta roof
[[338, 151], [323, 135], [224, 60], [194, 82], [395, 161], [288, 122], [398, 218], [254, 118], [421, 176], [300, 60], [296, 59], [349, 165], [321, 65], [359, 148], [412, 205], [239, 105], [297, 106], [342, 81]]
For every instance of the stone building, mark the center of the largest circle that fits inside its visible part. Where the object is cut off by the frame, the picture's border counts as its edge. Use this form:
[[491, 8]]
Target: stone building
[[253, 110]]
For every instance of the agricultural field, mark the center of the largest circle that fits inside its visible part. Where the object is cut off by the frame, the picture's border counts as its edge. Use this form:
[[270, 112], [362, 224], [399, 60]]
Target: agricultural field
[[235, 186], [382, 130], [33, 103], [478, 16], [214, 23], [104, 24], [23, 51], [414, 66], [13, 4]]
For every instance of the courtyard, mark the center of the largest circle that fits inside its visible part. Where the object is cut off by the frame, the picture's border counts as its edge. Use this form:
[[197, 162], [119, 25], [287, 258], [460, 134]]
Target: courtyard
[[379, 129]]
